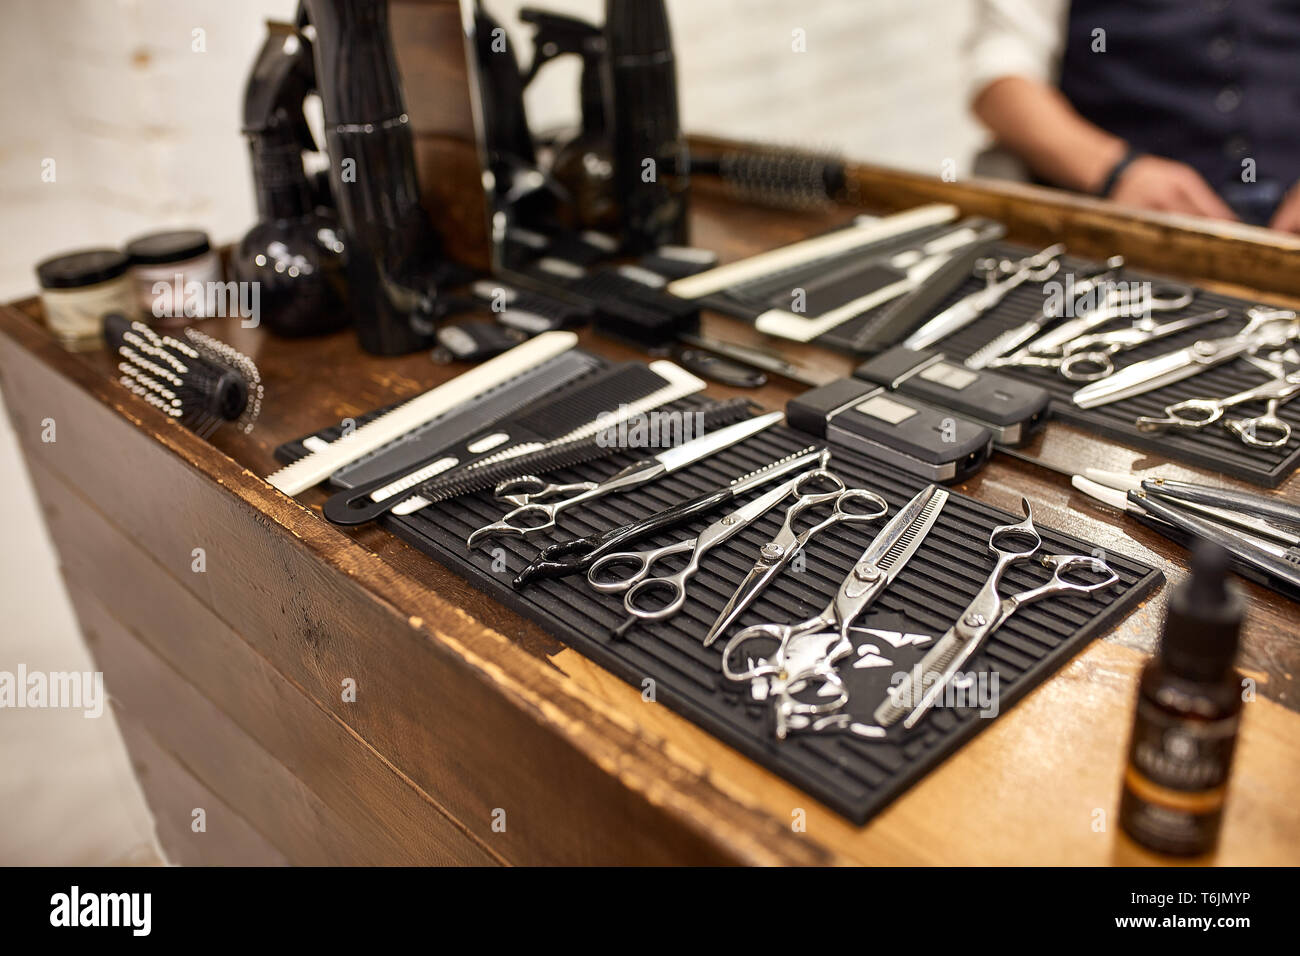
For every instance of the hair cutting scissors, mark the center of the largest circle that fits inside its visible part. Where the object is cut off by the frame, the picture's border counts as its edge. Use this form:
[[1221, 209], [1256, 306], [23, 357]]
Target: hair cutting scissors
[[632, 572], [1135, 300], [805, 654], [777, 554], [537, 503], [988, 611], [1090, 357], [1262, 431]]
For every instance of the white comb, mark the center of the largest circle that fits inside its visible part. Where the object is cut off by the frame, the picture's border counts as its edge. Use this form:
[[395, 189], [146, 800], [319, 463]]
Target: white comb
[[319, 465]]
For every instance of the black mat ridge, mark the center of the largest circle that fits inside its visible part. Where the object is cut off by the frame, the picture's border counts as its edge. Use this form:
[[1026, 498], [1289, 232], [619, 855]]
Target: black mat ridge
[[854, 776], [1213, 447]]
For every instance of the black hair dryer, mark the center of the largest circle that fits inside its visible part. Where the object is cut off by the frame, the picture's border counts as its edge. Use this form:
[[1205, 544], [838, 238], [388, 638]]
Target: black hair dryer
[[295, 252], [395, 261]]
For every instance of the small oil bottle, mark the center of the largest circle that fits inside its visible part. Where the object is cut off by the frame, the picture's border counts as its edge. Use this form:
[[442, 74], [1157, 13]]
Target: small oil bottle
[[1188, 709]]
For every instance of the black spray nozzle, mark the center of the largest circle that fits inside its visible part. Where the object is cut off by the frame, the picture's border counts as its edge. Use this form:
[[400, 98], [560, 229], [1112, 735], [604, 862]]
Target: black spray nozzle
[[282, 76], [559, 35]]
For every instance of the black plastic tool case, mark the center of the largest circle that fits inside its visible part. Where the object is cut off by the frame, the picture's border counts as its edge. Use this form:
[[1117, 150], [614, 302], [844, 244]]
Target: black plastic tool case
[[855, 776], [1212, 447]]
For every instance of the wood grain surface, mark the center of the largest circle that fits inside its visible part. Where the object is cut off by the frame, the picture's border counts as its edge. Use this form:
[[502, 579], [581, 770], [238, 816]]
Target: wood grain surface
[[467, 708]]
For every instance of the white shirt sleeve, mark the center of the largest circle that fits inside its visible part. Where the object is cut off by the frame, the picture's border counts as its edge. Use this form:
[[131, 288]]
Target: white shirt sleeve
[[1016, 38]]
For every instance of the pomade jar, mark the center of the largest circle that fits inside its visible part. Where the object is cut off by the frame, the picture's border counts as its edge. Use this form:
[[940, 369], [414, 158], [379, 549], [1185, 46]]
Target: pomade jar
[[78, 289], [172, 272]]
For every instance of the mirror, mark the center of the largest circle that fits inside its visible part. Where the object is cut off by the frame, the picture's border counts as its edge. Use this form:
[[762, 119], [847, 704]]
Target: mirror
[[1160, 106], [574, 181]]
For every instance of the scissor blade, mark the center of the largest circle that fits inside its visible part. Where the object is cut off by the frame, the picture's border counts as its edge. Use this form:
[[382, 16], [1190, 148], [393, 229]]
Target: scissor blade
[[1140, 378], [1007, 342], [699, 448], [900, 538], [812, 455]]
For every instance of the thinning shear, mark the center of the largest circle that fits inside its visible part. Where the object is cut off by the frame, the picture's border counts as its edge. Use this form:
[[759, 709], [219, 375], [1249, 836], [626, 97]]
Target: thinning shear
[[805, 654], [1090, 357], [777, 554], [1117, 302], [641, 582], [1262, 431], [988, 611]]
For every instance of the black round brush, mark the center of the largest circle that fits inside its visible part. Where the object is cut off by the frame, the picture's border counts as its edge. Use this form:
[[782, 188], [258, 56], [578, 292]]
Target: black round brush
[[554, 458], [197, 380], [776, 176]]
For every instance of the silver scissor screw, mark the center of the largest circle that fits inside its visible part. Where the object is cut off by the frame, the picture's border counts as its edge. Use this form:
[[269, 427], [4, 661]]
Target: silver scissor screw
[[975, 619], [866, 572]]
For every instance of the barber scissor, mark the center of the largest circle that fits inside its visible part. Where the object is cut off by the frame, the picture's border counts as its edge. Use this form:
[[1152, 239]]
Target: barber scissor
[[1117, 302], [1001, 277], [988, 611], [777, 554], [805, 654], [1262, 431], [537, 503], [1089, 358], [637, 579]]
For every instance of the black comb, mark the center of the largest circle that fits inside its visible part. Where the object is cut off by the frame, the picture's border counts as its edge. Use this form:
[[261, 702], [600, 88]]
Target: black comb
[[555, 457], [577, 406]]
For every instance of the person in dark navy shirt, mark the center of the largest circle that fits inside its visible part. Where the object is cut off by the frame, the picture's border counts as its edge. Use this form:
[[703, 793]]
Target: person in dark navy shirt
[[1187, 106]]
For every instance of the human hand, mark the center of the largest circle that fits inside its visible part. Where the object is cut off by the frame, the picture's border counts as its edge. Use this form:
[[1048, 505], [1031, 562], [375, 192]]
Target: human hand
[[1151, 182], [1287, 217]]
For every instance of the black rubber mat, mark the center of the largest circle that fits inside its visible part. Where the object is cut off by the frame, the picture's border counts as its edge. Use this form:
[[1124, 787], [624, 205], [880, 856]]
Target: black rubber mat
[[855, 776], [1213, 447]]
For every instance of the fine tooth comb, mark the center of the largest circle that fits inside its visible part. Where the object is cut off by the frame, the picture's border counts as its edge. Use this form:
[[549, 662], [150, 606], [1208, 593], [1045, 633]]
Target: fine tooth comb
[[498, 403], [584, 408], [483, 477], [319, 465], [196, 380]]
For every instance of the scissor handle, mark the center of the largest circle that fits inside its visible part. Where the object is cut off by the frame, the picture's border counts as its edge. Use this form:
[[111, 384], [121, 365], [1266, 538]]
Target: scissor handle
[[1003, 538], [1087, 366], [787, 705], [672, 584], [522, 521], [637, 563], [764, 666], [879, 506], [1166, 297], [529, 489], [1063, 565], [1192, 413], [1275, 432]]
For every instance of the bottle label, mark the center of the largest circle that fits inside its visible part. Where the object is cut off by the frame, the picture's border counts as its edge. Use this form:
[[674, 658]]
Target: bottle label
[[1176, 781]]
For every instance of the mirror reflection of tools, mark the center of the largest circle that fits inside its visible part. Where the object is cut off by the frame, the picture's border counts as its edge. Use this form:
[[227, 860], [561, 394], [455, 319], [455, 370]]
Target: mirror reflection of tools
[[1135, 300], [1001, 276], [1266, 328]]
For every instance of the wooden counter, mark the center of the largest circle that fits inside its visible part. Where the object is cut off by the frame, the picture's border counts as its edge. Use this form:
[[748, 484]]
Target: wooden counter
[[475, 737]]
